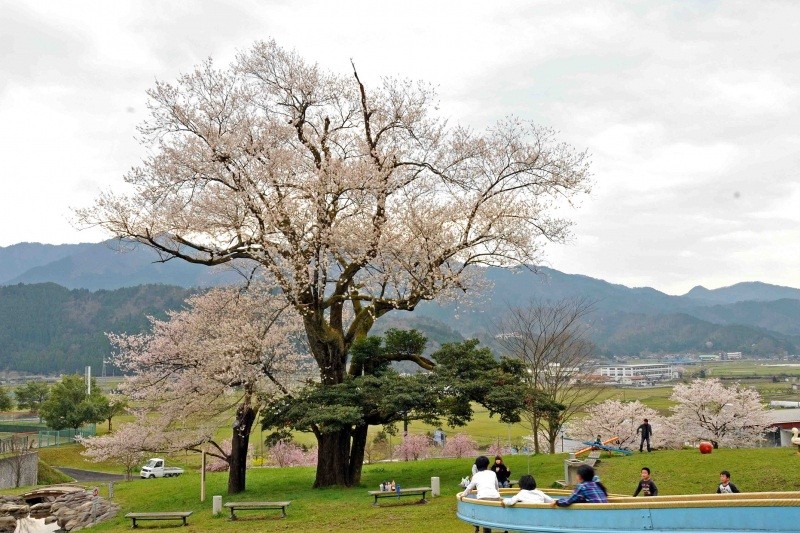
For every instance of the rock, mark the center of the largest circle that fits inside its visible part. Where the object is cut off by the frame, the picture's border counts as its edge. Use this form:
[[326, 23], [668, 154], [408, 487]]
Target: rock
[[50, 519], [14, 508], [8, 524]]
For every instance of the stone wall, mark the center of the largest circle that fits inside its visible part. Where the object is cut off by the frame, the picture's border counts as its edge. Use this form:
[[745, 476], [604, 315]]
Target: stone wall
[[28, 470]]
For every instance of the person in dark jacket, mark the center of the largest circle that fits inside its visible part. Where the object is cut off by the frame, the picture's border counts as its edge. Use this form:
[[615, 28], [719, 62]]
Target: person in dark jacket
[[647, 431], [646, 485], [502, 471]]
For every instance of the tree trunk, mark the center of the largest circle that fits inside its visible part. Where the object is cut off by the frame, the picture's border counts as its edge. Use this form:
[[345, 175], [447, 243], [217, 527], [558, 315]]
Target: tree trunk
[[333, 460], [245, 416], [335, 466], [535, 425], [357, 453]]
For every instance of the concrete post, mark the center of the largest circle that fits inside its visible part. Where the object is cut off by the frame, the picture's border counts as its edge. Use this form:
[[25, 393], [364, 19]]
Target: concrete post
[[216, 505], [435, 487]]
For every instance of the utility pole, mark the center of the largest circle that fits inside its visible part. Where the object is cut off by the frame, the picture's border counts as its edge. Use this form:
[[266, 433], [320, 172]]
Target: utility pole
[[88, 380]]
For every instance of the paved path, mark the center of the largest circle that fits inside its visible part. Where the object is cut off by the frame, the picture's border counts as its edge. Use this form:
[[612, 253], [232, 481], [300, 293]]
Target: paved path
[[88, 475]]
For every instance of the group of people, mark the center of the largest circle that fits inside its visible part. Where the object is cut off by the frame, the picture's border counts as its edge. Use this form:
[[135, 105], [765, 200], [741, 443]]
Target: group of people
[[486, 482], [487, 485], [647, 487]]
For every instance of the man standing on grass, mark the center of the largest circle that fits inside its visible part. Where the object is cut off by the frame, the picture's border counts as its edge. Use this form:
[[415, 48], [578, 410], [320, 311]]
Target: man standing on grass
[[646, 430]]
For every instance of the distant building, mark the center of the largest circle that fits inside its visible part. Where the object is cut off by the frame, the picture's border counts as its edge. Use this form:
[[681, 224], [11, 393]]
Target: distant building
[[781, 423], [731, 356], [641, 374], [709, 357]]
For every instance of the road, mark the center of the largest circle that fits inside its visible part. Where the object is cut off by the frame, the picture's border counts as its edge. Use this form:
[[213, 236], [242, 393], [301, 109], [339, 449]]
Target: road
[[88, 475]]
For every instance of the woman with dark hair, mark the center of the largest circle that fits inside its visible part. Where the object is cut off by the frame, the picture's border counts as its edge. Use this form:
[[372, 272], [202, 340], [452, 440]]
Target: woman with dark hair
[[587, 491], [501, 470]]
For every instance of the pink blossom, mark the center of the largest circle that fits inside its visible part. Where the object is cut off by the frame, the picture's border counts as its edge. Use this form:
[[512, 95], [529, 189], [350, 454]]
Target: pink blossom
[[460, 445], [413, 447]]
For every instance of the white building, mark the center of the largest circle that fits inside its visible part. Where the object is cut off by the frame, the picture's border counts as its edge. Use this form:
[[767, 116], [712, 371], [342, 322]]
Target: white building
[[637, 374]]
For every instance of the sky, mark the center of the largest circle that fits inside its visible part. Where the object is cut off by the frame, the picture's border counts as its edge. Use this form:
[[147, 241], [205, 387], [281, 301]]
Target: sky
[[690, 110]]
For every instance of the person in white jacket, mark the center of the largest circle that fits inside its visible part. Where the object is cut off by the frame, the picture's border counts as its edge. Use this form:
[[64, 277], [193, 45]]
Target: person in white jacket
[[485, 481], [528, 493]]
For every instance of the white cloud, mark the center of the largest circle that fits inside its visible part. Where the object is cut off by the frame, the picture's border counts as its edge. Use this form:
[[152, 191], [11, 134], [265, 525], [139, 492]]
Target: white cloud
[[689, 109]]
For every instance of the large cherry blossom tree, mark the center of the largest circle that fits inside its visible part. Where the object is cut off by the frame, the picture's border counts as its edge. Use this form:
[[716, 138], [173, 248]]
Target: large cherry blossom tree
[[615, 418], [229, 351], [731, 416], [357, 198]]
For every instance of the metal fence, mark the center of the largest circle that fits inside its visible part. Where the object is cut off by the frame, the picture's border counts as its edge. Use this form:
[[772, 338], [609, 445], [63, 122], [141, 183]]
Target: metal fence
[[51, 437], [43, 436], [16, 444]]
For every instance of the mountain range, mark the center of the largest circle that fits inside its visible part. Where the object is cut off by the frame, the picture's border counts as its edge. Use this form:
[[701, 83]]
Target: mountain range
[[752, 317]]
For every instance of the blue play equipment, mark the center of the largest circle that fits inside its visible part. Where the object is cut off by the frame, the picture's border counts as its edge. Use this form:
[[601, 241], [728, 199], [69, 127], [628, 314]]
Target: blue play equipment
[[754, 512], [608, 448]]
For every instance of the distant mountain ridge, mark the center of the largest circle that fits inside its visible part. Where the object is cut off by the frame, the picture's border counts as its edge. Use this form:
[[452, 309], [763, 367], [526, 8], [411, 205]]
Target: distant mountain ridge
[[752, 317], [17, 259], [749, 291], [107, 265]]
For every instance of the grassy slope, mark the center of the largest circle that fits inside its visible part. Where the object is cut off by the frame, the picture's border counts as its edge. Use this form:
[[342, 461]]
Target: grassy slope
[[675, 472]]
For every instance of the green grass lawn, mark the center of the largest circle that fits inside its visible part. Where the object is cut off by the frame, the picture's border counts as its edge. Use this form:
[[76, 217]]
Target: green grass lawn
[[675, 472]]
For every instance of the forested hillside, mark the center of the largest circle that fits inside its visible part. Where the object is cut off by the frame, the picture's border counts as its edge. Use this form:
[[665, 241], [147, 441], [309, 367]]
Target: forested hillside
[[45, 328]]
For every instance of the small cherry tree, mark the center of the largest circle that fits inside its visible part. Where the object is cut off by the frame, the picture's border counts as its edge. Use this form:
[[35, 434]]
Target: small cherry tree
[[126, 446], [286, 453], [496, 448], [413, 447], [727, 416], [460, 445], [229, 351]]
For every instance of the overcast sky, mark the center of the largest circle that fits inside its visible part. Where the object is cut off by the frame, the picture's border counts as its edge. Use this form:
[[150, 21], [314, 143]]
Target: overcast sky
[[691, 110]]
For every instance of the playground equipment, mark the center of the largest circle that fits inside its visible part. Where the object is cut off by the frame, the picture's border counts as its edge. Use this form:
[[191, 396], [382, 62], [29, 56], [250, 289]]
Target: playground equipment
[[796, 439], [754, 512], [607, 448], [594, 445]]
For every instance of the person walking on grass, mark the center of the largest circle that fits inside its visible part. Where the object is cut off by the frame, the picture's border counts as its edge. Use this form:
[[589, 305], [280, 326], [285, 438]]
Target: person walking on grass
[[646, 431], [646, 485]]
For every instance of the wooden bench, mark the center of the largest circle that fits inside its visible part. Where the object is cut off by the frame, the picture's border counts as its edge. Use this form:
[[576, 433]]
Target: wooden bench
[[511, 483], [176, 515], [402, 492], [252, 506]]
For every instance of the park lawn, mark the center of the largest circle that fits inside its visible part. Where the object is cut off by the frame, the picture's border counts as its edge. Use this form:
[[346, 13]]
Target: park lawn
[[335, 509]]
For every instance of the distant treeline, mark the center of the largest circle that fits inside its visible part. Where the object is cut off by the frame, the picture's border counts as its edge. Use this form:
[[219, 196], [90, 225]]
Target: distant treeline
[[47, 329]]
